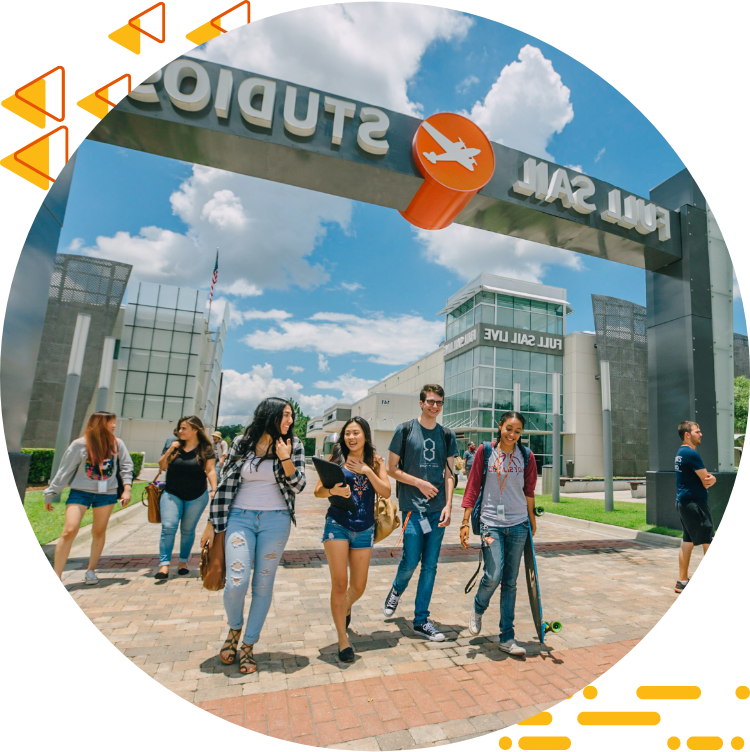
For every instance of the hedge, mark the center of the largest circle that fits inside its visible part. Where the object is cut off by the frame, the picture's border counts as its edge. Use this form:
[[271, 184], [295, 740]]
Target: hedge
[[41, 464]]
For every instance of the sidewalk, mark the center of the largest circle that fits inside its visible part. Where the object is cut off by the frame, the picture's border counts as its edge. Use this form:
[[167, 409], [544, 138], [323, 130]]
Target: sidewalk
[[402, 692]]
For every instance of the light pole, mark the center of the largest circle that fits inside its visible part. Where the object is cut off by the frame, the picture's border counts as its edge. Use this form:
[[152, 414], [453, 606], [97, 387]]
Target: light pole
[[105, 374], [556, 420]]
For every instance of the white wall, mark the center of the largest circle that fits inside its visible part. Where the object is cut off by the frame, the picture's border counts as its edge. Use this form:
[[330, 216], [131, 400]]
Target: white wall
[[410, 380], [384, 411]]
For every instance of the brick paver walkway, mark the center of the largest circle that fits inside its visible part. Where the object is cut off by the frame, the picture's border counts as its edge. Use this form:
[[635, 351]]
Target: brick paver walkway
[[401, 692]]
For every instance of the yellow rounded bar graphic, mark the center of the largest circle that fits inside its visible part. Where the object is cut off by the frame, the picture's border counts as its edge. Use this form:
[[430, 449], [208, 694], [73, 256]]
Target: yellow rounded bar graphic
[[544, 742], [668, 693], [614, 718], [704, 742], [541, 719]]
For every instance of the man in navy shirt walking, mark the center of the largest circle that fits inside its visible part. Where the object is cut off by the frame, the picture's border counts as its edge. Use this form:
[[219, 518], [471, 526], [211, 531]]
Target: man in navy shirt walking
[[693, 482]]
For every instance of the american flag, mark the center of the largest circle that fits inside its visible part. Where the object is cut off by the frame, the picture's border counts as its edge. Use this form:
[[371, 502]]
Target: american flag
[[215, 276]]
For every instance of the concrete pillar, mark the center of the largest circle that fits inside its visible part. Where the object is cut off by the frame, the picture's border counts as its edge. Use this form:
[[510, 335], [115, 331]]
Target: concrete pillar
[[105, 374], [556, 438], [517, 397], [609, 494]]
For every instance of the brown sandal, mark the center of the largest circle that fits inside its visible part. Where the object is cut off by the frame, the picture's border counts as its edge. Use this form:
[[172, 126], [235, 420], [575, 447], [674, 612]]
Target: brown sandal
[[230, 647], [248, 664]]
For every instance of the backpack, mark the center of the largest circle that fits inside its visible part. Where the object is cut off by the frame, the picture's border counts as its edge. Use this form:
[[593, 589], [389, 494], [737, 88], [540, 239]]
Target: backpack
[[476, 512], [405, 437]]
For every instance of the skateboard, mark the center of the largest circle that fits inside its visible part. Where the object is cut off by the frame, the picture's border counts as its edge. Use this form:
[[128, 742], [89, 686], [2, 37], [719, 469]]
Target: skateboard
[[532, 582]]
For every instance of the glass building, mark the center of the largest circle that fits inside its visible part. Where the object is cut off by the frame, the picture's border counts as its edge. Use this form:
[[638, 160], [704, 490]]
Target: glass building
[[504, 341]]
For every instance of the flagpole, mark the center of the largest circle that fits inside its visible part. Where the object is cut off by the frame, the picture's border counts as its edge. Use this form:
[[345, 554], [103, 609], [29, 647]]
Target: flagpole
[[210, 364]]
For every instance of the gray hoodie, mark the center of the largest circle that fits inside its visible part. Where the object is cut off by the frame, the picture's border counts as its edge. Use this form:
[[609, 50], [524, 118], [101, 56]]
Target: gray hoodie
[[75, 471]]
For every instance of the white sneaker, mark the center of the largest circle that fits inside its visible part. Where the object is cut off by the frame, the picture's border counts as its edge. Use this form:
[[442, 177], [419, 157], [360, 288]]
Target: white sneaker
[[475, 622], [512, 647], [429, 631], [391, 603], [91, 578]]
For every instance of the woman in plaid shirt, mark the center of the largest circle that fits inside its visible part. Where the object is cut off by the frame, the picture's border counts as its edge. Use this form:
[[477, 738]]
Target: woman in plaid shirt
[[254, 504]]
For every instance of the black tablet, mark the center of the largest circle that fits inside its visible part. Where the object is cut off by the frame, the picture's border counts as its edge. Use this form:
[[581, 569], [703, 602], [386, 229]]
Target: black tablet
[[330, 475]]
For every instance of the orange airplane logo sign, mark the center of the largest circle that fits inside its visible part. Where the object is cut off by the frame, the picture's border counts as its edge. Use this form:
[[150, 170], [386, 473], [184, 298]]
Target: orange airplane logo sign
[[456, 160]]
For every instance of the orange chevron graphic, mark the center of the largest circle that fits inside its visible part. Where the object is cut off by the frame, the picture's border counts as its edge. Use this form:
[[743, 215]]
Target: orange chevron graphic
[[98, 103], [34, 167], [129, 36], [213, 29], [31, 105]]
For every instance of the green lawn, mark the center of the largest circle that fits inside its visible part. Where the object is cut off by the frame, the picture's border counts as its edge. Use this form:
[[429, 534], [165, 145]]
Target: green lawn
[[48, 525], [627, 514]]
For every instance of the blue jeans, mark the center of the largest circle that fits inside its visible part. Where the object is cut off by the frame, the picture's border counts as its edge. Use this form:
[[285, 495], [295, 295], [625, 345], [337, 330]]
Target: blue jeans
[[502, 559], [254, 542], [425, 547], [362, 539], [174, 512]]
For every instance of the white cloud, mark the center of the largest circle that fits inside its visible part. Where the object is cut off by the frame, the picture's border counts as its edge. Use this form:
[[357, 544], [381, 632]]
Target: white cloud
[[351, 387], [466, 84], [75, 245], [352, 286], [600, 154], [273, 314], [389, 340], [295, 369], [468, 251], [366, 51], [323, 363], [576, 167], [526, 105], [248, 219]]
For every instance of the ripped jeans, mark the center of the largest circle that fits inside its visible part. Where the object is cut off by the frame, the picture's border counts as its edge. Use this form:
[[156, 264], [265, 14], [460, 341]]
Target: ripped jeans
[[254, 542]]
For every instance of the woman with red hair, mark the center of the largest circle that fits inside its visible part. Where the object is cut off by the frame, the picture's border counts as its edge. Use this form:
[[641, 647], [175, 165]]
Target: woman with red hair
[[90, 467]]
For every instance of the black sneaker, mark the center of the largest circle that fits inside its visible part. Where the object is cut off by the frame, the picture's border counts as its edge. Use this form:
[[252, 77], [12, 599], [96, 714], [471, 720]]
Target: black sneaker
[[680, 586], [429, 631], [391, 603]]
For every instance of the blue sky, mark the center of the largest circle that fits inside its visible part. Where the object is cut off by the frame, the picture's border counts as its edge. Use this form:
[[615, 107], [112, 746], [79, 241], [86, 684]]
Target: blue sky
[[347, 293]]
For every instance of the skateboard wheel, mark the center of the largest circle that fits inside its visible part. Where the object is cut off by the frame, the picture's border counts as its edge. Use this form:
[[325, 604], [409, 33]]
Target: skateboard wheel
[[556, 627], [538, 511]]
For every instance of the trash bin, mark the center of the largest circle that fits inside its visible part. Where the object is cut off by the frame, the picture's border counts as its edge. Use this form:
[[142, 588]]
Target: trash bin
[[547, 480], [570, 469]]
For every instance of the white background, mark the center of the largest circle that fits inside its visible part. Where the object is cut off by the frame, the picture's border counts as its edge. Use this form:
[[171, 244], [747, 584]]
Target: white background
[[683, 64]]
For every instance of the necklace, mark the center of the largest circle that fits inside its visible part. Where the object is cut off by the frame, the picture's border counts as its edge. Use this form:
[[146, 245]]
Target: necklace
[[498, 466]]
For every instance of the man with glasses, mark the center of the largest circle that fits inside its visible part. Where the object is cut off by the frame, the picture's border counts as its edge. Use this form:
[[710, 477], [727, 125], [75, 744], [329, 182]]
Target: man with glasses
[[420, 458]]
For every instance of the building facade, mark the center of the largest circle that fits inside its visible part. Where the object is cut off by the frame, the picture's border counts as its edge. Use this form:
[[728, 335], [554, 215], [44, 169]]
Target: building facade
[[741, 356]]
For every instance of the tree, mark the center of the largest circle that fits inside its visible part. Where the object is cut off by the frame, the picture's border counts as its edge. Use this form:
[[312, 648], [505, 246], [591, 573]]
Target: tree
[[300, 427], [741, 394], [229, 432]]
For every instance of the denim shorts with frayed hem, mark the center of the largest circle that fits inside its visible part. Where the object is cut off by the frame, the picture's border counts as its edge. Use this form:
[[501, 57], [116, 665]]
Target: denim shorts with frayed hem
[[90, 499], [361, 539]]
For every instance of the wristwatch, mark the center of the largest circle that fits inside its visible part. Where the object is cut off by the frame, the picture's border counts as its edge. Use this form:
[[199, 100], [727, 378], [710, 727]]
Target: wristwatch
[[466, 524]]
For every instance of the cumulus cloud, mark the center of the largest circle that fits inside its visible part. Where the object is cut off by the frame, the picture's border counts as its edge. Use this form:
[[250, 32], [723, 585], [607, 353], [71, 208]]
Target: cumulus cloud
[[352, 286], [295, 369], [366, 51], [468, 251], [389, 340], [526, 105], [248, 219], [352, 388], [323, 363], [466, 84]]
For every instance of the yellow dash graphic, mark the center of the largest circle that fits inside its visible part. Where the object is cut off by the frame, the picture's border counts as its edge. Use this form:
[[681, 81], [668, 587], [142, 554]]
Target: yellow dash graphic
[[668, 693], [544, 742], [704, 742], [618, 719], [541, 719]]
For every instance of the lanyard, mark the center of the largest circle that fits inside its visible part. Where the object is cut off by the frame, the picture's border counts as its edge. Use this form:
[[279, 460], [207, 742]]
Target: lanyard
[[507, 471]]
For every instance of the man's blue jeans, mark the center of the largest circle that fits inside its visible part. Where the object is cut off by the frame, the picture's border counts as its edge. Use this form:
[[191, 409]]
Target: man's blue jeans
[[502, 559], [425, 547], [254, 543], [185, 514]]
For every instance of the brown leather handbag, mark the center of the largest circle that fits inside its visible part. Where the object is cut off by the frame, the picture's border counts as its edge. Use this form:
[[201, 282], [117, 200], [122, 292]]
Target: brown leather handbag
[[213, 564], [151, 498], [386, 518]]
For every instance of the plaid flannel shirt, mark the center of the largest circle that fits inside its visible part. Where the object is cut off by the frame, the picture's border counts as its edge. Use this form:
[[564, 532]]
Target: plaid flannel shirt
[[230, 480]]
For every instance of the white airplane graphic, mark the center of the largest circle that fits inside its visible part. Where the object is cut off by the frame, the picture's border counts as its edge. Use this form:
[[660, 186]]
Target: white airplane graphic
[[453, 152]]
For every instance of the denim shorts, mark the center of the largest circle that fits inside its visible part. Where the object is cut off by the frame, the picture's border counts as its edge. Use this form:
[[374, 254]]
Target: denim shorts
[[89, 499], [362, 539]]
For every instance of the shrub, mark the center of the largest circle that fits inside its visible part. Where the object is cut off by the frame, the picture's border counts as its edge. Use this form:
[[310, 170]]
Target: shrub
[[41, 464]]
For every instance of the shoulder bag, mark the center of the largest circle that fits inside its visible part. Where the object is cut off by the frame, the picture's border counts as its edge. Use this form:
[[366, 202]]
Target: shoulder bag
[[213, 567], [386, 518], [151, 498]]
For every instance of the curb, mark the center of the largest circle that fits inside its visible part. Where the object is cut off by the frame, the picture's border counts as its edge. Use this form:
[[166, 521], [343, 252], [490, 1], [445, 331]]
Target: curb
[[621, 532]]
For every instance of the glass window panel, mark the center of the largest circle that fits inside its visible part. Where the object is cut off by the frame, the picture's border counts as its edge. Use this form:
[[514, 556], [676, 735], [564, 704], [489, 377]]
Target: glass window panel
[[199, 324], [503, 399], [551, 325], [559, 327], [504, 317], [503, 378], [485, 419], [178, 364], [484, 397], [525, 401], [503, 358], [522, 304], [537, 402], [536, 443], [558, 309], [475, 356], [123, 358], [488, 297], [188, 407], [138, 360], [201, 301], [127, 336], [538, 362], [521, 319], [487, 356], [148, 294], [465, 401], [450, 330], [156, 384], [521, 360], [120, 378], [186, 299], [538, 322], [183, 321], [136, 382], [549, 405], [450, 405], [505, 300], [554, 363], [176, 386], [181, 342], [191, 384], [164, 318], [162, 340], [168, 296], [129, 318], [153, 407], [172, 408], [195, 364], [117, 403], [159, 362], [539, 305], [450, 367], [522, 378], [145, 315], [538, 382], [485, 376], [142, 338], [469, 319], [132, 406], [486, 314]]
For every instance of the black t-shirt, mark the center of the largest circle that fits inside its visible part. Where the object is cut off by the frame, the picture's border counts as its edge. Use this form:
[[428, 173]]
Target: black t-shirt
[[186, 476]]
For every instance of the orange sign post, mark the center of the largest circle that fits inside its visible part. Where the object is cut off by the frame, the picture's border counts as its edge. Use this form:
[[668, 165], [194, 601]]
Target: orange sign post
[[456, 160]]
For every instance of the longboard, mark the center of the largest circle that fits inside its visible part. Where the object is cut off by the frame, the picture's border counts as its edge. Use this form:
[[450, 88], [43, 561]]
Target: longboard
[[532, 582]]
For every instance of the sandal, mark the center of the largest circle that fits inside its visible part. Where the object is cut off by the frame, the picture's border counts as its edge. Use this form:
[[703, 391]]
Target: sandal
[[248, 664], [230, 647]]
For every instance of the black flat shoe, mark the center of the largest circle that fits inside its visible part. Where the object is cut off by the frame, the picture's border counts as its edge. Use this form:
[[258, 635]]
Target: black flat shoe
[[161, 576], [346, 655], [348, 619], [183, 570]]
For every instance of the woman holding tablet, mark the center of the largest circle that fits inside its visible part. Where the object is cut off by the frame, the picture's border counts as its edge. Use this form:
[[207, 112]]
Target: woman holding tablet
[[349, 533]]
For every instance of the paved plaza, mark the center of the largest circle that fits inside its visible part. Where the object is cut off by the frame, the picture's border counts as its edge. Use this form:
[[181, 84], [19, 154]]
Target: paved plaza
[[402, 692]]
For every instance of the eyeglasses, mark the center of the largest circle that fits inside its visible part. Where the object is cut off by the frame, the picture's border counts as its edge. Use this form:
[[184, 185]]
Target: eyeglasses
[[434, 403]]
